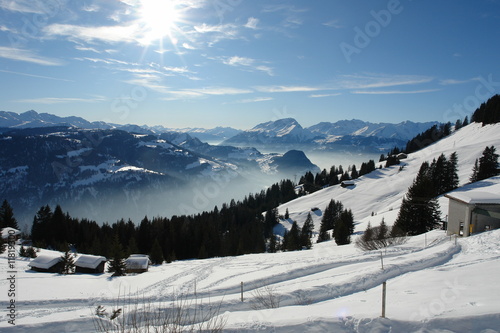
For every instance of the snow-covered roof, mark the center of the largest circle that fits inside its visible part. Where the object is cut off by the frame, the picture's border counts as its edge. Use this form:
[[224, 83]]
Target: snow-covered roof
[[45, 260], [137, 261], [89, 261], [8, 231], [474, 197]]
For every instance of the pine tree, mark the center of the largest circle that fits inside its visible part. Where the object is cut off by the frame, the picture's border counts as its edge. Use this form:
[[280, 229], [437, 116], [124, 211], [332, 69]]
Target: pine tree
[[452, 171], [132, 246], [306, 232], [117, 264], [41, 230], [475, 169], [419, 210], [273, 244], [67, 263], [382, 233], [488, 164], [344, 227], [7, 218], [354, 172], [466, 121], [291, 241], [156, 254], [3, 245]]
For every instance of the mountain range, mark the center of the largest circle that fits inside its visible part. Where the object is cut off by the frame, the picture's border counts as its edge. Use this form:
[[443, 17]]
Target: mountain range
[[344, 134], [279, 132], [106, 171], [107, 174]]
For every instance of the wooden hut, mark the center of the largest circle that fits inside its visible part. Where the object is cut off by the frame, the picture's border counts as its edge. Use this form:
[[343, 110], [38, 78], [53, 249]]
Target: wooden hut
[[86, 263], [137, 263], [47, 262]]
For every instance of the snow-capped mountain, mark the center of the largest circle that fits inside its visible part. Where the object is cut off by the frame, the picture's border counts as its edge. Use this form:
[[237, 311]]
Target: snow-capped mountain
[[282, 131], [107, 174], [345, 134], [31, 119], [218, 133], [404, 131]]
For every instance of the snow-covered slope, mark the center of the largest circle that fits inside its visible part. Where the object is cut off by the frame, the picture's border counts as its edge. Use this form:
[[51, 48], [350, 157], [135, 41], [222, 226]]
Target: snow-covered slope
[[435, 283], [381, 191]]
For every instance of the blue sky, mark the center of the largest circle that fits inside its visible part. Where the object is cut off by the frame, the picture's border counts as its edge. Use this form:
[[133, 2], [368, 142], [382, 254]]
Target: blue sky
[[205, 63]]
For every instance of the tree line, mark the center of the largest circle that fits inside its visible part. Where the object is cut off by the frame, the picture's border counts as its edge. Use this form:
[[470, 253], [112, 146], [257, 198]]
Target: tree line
[[236, 228]]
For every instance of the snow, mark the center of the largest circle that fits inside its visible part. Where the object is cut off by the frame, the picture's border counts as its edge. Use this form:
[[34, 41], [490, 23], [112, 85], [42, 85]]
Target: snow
[[475, 197], [46, 260], [7, 231], [89, 261], [435, 283]]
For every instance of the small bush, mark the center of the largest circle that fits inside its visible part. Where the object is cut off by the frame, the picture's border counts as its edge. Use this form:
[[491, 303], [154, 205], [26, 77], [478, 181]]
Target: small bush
[[380, 237], [265, 298], [138, 315]]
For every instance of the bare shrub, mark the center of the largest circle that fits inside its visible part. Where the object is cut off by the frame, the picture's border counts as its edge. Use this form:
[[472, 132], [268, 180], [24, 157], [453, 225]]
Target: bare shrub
[[302, 298], [265, 298], [141, 315], [380, 237]]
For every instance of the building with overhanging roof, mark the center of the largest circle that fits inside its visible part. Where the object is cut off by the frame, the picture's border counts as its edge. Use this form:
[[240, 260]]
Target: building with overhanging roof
[[86, 263], [47, 262], [472, 211]]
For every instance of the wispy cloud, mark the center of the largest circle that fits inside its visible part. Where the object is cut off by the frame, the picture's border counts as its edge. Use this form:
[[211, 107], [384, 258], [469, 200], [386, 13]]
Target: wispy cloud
[[252, 23], [333, 24], [370, 81], [447, 82], [292, 19], [246, 64], [284, 89], [324, 95], [36, 76], [392, 92], [25, 6], [61, 100], [108, 34], [182, 94], [252, 100], [27, 56]]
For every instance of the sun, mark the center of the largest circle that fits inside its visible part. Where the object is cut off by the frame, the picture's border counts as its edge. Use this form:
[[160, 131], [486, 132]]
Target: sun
[[159, 18]]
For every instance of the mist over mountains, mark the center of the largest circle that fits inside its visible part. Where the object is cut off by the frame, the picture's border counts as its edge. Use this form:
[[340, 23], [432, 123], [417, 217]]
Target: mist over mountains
[[108, 171]]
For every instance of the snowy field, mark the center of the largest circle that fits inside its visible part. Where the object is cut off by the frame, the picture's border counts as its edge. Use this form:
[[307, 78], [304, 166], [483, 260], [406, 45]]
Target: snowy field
[[434, 283]]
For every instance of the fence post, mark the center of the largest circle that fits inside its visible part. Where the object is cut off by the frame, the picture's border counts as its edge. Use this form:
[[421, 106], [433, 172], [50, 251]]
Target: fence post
[[383, 298], [242, 291]]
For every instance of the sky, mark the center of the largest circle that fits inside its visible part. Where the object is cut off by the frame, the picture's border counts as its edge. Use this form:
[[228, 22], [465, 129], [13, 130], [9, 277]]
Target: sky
[[238, 63]]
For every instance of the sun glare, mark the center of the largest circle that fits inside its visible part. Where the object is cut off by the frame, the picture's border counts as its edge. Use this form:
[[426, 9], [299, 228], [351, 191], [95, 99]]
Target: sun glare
[[159, 18]]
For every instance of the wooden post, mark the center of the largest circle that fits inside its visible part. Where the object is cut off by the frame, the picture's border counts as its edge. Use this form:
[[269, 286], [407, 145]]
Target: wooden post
[[383, 298], [382, 260], [242, 291]]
